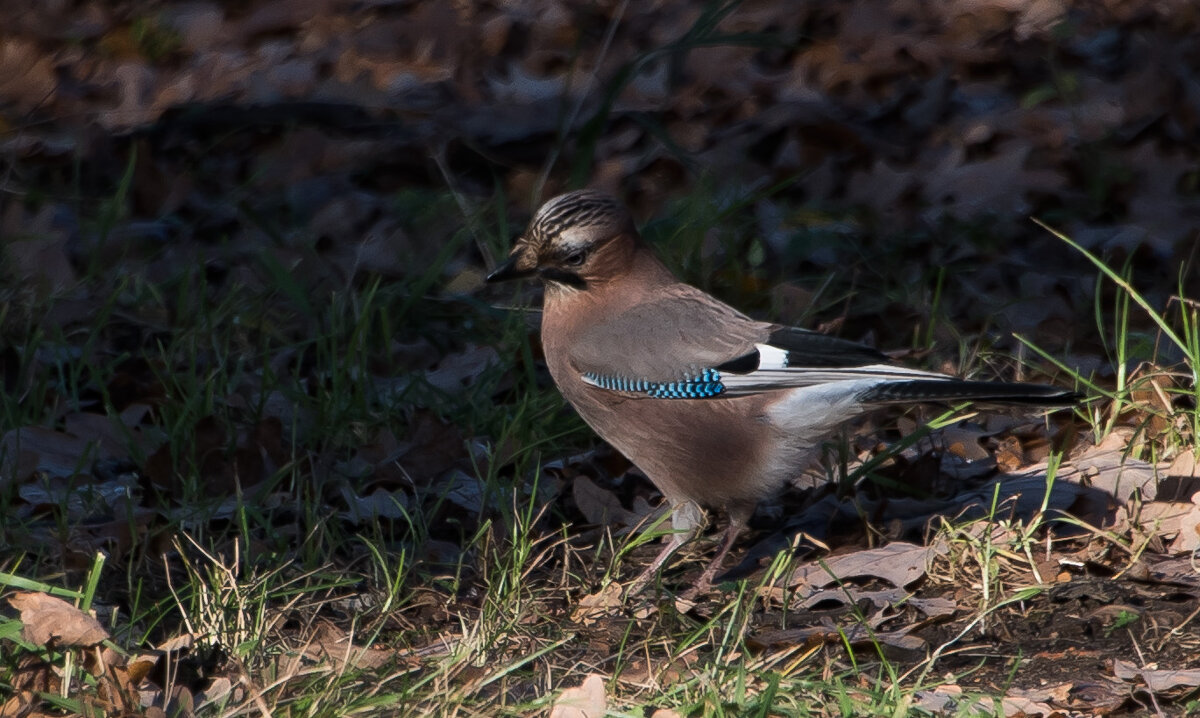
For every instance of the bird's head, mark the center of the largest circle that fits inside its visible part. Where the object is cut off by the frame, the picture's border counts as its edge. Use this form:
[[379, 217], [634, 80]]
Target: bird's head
[[574, 240]]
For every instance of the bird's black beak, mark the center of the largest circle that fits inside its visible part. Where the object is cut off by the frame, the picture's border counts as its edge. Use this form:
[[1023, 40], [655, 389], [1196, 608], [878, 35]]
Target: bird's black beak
[[511, 269]]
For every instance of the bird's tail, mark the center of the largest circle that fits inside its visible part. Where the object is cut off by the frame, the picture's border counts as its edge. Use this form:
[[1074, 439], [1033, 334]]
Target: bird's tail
[[939, 390]]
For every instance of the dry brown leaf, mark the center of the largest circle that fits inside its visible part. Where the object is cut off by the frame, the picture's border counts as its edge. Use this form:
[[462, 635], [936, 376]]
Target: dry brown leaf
[[998, 185], [378, 249], [595, 606], [258, 453], [851, 596], [103, 429], [600, 506], [26, 72], [881, 188], [181, 702], [87, 537], [49, 619], [431, 448], [585, 701], [1021, 707], [199, 23], [1188, 540], [140, 665], [182, 642], [1156, 679], [932, 607], [1181, 478], [35, 250], [949, 699], [19, 705], [939, 699], [458, 371], [34, 448], [965, 441], [1184, 465], [218, 689], [1111, 470], [1157, 207], [1176, 520], [1034, 17], [118, 680], [380, 503], [1183, 571], [79, 498], [897, 563], [333, 645], [341, 653], [464, 490]]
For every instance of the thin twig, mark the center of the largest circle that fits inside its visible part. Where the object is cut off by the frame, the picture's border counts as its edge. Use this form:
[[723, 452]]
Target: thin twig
[[471, 218], [578, 106]]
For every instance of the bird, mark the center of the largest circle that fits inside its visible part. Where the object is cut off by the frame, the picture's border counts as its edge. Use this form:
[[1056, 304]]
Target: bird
[[717, 409]]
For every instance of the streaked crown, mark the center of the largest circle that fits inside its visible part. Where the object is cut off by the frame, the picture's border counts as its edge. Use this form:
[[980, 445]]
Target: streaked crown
[[574, 239], [577, 219]]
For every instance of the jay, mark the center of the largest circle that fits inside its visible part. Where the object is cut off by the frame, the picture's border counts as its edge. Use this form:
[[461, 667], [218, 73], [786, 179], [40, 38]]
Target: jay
[[717, 409]]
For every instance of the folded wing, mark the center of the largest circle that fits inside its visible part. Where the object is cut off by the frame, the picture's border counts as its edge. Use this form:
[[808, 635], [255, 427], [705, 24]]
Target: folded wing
[[686, 345]]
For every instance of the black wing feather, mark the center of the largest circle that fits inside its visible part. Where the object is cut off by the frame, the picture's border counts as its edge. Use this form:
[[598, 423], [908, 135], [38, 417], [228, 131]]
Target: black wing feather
[[809, 349], [920, 390]]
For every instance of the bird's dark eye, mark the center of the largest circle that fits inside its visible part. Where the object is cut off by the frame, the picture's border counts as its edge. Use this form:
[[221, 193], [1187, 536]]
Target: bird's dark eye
[[575, 258]]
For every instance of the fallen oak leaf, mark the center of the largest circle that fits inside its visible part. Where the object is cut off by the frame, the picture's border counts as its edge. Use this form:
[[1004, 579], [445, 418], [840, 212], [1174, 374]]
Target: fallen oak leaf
[[119, 678], [341, 653], [219, 689], [456, 372], [1174, 520], [597, 605], [1157, 680], [932, 607], [601, 506], [1022, 707], [584, 701], [30, 449], [49, 619], [897, 563], [1108, 468]]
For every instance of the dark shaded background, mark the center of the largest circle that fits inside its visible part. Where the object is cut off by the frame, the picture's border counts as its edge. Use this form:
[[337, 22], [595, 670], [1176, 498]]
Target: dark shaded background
[[940, 127]]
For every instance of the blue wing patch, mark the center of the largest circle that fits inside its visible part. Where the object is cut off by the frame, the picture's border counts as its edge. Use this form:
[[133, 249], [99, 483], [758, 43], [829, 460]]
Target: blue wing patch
[[704, 385]]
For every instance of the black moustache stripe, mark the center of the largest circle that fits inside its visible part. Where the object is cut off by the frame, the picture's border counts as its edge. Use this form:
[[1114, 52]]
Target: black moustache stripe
[[562, 276]]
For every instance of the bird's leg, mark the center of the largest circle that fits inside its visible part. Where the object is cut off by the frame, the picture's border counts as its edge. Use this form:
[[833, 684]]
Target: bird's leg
[[686, 520], [736, 524]]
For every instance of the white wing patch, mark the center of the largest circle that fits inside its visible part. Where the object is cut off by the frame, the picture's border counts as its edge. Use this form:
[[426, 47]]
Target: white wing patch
[[770, 357]]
